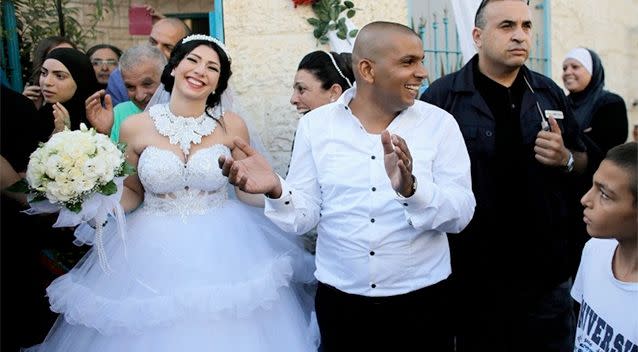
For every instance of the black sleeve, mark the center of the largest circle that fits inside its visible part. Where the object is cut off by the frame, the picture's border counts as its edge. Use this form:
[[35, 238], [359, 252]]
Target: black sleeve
[[19, 128], [609, 124], [572, 135]]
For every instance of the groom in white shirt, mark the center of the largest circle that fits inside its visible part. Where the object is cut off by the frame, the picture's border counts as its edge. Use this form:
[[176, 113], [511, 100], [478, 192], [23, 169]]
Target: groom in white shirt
[[384, 177]]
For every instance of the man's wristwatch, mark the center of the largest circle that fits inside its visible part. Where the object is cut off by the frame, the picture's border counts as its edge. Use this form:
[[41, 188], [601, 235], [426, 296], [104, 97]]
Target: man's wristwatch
[[570, 163], [414, 185]]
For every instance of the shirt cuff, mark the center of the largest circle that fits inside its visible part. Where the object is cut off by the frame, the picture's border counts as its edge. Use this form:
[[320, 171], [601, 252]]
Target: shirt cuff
[[284, 201], [419, 200]]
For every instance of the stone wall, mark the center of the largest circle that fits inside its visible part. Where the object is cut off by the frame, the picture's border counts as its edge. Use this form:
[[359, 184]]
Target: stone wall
[[267, 42], [114, 26], [609, 28], [268, 38]]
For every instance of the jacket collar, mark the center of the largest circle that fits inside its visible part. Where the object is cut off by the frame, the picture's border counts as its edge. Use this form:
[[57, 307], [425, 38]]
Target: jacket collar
[[465, 79]]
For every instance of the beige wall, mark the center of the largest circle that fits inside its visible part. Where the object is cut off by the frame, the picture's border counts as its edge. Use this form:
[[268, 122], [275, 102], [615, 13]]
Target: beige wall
[[267, 42], [114, 26], [267, 39], [608, 27]]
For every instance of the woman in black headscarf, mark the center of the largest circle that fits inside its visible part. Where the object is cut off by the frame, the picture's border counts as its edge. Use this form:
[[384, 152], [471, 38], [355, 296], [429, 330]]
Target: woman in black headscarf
[[602, 115], [67, 79], [44, 47]]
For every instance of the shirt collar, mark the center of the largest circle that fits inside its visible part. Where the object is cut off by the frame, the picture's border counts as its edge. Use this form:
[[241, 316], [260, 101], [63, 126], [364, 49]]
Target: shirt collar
[[408, 114], [346, 97]]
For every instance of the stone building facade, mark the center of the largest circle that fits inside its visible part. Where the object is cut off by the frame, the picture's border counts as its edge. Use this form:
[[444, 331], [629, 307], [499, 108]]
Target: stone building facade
[[268, 38]]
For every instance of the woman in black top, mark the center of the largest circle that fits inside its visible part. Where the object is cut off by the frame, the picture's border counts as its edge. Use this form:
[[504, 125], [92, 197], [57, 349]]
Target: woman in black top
[[602, 115]]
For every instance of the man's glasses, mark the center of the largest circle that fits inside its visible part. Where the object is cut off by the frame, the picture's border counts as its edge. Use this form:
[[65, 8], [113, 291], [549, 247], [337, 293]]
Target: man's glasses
[[107, 62]]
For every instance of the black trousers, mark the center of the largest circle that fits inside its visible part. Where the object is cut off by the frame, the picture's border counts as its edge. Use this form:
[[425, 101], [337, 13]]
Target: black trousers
[[415, 321], [500, 318]]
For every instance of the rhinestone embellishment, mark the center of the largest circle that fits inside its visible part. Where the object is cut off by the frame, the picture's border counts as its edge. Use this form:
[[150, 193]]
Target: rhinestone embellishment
[[179, 129]]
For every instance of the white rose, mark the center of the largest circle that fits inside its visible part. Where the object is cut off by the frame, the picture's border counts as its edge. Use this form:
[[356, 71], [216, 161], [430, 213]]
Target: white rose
[[52, 165], [53, 193]]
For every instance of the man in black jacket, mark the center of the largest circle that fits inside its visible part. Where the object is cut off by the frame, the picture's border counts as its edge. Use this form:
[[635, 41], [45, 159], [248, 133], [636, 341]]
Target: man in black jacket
[[510, 266]]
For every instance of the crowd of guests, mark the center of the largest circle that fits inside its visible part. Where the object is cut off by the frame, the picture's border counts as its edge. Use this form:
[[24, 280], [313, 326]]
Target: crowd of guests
[[452, 221]]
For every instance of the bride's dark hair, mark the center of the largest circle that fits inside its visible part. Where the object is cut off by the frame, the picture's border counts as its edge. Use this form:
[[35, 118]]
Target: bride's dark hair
[[179, 53]]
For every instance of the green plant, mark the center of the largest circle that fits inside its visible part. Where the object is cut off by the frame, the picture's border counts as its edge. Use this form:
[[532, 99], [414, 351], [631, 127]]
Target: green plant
[[329, 18], [38, 19]]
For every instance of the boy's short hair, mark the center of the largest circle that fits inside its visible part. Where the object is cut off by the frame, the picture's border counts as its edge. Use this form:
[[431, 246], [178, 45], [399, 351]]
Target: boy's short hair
[[625, 156]]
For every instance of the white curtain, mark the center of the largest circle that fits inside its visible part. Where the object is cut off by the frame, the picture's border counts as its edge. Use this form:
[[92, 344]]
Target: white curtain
[[464, 11]]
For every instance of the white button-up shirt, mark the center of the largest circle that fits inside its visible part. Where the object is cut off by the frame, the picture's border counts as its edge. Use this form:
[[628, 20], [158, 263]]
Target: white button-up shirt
[[371, 241]]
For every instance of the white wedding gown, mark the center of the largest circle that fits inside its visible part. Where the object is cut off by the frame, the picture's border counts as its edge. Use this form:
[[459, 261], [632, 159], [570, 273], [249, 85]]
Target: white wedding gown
[[197, 272]]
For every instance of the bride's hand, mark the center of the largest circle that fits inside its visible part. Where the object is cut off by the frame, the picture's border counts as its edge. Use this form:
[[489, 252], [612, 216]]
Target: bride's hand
[[252, 174]]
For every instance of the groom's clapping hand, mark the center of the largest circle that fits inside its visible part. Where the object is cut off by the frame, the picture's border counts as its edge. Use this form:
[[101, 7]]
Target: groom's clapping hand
[[398, 163]]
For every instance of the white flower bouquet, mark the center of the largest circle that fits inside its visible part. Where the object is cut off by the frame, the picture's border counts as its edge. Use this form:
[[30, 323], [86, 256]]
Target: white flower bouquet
[[80, 175], [74, 165]]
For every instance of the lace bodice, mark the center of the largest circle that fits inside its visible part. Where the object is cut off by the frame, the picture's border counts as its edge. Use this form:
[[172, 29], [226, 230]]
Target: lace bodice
[[177, 188]]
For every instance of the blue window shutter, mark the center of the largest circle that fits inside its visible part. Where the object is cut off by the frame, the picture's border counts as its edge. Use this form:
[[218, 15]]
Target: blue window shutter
[[216, 20], [14, 69]]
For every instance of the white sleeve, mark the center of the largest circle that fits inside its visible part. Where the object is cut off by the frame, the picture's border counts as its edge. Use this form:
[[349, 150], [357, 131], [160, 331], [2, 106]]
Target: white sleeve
[[297, 210], [447, 202]]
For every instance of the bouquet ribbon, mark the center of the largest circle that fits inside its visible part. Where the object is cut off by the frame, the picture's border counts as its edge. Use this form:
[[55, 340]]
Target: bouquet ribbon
[[97, 207]]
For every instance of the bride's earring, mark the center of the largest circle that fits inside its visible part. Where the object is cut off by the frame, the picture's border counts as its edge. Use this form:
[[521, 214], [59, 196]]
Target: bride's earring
[[173, 73]]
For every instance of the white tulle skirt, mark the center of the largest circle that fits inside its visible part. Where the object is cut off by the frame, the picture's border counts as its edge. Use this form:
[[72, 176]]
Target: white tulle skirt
[[225, 280]]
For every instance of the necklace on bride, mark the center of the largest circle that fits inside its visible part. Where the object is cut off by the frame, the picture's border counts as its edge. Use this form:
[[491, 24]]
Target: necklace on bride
[[181, 130]]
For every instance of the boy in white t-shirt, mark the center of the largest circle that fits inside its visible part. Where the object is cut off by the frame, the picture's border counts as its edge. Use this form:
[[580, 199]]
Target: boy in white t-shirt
[[606, 285]]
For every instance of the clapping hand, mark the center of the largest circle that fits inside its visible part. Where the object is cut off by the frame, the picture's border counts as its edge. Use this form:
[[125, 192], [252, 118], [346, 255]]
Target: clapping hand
[[398, 163], [550, 149], [101, 118], [61, 118], [252, 174]]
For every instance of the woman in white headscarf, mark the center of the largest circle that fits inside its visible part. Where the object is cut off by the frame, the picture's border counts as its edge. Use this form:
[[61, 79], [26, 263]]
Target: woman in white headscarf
[[602, 115]]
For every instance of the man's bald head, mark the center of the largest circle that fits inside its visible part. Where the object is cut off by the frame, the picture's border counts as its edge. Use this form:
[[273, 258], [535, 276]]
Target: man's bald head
[[374, 39], [177, 24], [388, 65], [166, 33]]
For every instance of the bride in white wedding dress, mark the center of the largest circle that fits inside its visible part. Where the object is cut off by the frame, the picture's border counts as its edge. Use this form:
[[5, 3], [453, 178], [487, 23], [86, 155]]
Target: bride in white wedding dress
[[197, 271]]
